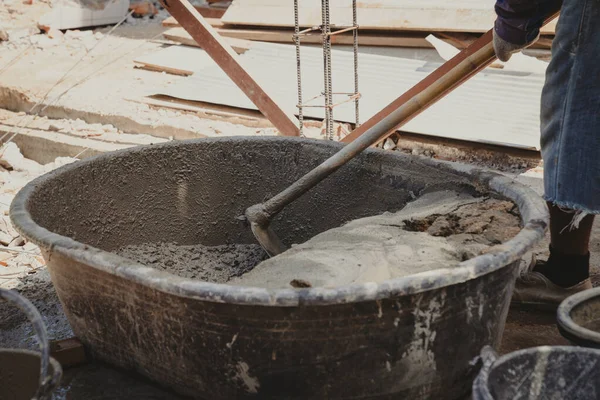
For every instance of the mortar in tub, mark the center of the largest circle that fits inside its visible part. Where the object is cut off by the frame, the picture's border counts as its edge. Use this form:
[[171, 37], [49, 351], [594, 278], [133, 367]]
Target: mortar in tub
[[411, 337]]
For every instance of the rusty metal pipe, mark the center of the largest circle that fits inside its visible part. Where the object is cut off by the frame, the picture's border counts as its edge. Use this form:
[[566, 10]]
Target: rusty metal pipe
[[434, 87]]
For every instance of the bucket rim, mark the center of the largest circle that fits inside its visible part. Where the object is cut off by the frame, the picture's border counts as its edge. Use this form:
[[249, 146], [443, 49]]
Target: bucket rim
[[532, 207], [568, 327], [481, 390]]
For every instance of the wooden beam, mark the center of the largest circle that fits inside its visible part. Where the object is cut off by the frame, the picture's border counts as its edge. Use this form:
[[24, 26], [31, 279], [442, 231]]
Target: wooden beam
[[222, 53], [171, 22], [210, 12], [68, 352], [162, 68]]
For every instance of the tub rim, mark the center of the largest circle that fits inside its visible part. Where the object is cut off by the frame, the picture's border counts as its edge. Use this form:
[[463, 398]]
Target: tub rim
[[567, 325], [532, 207]]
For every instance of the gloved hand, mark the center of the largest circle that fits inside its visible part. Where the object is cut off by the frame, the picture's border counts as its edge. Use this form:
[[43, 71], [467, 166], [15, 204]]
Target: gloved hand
[[504, 50]]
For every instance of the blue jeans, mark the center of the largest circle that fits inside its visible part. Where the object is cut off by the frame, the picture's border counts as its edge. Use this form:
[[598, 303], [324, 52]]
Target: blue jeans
[[570, 115]]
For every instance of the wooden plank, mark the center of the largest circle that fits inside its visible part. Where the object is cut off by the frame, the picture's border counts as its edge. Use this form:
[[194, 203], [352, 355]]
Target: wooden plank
[[171, 22], [68, 352], [459, 40], [238, 116], [393, 39], [180, 60], [462, 40], [179, 35], [210, 12], [475, 16], [162, 68], [285, 36], [222, 53]]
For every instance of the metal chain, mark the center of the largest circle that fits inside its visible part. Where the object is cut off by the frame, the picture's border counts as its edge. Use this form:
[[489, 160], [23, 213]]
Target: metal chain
[[298, 70], [355, 45]]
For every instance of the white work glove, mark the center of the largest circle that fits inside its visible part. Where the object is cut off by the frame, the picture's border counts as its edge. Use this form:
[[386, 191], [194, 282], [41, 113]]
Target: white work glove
[[504, 50]]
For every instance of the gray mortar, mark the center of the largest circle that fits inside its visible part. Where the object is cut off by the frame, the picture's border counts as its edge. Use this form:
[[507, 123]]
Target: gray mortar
[[438, 230], [442, 229], [216, 264]]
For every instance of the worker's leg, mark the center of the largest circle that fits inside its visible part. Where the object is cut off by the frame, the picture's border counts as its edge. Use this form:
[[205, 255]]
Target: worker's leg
[[565, 238], [570, 119], [569, 262]]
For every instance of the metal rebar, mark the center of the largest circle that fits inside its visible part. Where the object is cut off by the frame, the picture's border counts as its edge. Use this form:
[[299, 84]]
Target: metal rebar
[[298, 69], [355, 49], [325, 31], [307, 31], [351, 28]]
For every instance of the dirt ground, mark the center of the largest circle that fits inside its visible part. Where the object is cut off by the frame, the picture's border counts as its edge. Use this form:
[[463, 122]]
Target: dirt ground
[[537, 328]]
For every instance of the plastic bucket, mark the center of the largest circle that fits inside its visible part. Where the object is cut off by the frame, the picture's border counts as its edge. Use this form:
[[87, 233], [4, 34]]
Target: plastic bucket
[[539, 373], [579, 318], [25, 374]]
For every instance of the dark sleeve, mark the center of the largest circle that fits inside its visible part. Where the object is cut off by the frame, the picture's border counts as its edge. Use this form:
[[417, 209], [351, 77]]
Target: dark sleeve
[[519, 21]]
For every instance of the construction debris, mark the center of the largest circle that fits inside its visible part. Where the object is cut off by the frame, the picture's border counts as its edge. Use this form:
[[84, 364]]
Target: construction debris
[[17, 256], [3, 35], [69, 15], [143, 8]]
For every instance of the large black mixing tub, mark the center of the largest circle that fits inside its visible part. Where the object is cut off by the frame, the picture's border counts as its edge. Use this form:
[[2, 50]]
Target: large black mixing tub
[[409, 338]]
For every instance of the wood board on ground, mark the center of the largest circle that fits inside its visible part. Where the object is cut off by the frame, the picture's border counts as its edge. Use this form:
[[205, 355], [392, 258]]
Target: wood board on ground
[[459, 40], [179, 35], [476, 16]]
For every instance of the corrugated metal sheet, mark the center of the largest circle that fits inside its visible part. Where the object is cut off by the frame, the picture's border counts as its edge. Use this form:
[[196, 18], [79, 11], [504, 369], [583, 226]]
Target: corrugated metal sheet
[[494, 107]]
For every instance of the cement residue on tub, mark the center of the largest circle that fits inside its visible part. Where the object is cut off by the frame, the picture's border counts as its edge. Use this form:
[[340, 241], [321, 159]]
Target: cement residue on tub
[[216, 264], [438, 230]]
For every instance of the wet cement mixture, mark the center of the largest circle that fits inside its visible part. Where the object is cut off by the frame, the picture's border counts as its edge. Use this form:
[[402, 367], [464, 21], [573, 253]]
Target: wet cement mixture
[[438, 230], [217, 264]]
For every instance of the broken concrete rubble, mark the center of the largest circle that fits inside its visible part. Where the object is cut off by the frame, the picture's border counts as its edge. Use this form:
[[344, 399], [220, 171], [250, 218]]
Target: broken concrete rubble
[[3, 35], [70, 15], [18, 257]]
